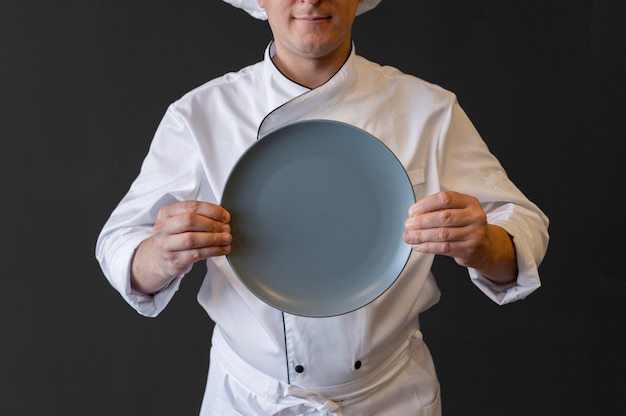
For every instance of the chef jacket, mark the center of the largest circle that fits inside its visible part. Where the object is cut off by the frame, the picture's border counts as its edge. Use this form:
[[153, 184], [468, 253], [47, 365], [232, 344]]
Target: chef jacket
[[196, 145]]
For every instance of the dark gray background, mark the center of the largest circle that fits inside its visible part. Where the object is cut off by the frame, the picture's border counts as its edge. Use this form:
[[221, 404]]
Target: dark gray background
[[84, 84]]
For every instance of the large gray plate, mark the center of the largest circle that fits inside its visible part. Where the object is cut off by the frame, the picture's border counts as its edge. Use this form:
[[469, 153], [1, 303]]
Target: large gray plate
[[317, 218]]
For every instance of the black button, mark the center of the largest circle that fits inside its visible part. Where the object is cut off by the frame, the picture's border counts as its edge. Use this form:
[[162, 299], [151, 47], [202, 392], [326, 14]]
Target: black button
[[357, 365], [299, 369]]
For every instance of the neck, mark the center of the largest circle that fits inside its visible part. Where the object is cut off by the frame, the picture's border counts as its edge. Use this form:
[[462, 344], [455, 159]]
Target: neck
[[310, 72]]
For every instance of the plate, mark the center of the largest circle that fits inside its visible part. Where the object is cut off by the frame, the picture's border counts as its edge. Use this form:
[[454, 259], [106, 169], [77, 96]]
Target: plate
[[317, 218]]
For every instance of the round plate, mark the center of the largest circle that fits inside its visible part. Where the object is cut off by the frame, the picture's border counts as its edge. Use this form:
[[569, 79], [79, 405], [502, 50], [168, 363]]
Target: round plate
[[317, 218]]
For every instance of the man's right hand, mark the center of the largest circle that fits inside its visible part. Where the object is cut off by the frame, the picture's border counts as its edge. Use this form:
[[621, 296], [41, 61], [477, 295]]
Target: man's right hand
[[184, 233]]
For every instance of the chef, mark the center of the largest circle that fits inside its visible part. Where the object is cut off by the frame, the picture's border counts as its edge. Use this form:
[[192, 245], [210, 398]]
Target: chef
[[372, 361]]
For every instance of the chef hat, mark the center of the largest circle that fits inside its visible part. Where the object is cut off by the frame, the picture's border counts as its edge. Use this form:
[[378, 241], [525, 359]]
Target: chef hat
[[252, 7]]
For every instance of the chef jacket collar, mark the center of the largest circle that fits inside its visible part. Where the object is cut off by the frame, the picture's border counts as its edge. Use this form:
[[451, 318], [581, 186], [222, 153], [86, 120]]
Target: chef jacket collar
[[305, 103]]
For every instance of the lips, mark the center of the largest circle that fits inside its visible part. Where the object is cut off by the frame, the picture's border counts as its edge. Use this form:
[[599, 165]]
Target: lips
[[312, 18]]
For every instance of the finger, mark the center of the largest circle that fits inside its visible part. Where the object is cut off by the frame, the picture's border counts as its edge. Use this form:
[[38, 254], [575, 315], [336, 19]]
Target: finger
[[434, 235], [193, 256], [434, 219], [430, 203], [190, 216], [187, 226], [204, 209], [439, 201], [444, 249], [448, 242], [190, 241], [177, 262], [191, 223]]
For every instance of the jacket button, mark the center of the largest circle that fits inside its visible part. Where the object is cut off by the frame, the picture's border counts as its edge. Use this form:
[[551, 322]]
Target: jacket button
[[357, 365], [299, 369]]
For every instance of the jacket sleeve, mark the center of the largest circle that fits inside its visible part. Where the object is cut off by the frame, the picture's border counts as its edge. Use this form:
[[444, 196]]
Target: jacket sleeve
[[467, 166], [170, 173]]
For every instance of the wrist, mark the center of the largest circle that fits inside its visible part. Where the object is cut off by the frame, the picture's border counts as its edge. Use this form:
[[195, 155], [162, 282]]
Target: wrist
[[501, 267], [146, 275]]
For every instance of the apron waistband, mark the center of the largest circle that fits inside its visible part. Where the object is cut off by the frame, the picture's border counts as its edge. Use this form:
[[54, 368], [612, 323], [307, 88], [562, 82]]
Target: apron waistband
[[297, 400]]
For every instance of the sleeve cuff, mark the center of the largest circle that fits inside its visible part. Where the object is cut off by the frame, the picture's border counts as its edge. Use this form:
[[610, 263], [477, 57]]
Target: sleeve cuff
[[527, 279], [147, 305]]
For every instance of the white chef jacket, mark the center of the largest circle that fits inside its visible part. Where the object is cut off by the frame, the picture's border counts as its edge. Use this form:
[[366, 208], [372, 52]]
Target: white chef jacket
[[372, 360]]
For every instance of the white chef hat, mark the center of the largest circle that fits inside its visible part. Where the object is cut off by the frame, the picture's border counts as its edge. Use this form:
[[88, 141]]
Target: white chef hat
[[252, 7]]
